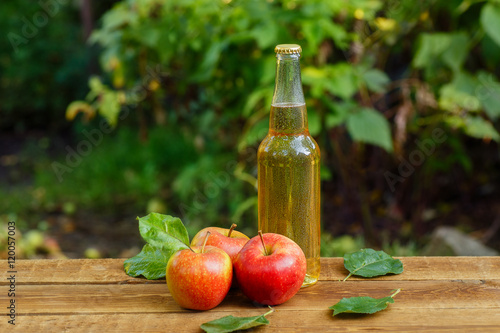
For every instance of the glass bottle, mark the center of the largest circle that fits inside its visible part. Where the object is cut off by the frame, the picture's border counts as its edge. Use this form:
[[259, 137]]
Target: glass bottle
[[289, 165]]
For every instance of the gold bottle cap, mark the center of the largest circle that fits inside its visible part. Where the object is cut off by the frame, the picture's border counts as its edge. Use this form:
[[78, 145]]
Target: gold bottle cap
[[288, 49]]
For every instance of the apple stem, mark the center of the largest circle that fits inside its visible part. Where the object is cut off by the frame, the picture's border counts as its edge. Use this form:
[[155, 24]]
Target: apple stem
[[262, 240], [205, 242], [233, 226]]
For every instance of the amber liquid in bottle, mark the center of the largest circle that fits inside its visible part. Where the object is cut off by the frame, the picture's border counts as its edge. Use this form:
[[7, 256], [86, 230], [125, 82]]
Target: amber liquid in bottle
[[289, 175]]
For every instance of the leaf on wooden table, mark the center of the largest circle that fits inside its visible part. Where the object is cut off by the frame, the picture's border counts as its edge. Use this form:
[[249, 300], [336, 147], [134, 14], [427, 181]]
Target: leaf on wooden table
[[151, 263], [231, 324], [367, 305], [163, 231], [164, 235], [370, 263]]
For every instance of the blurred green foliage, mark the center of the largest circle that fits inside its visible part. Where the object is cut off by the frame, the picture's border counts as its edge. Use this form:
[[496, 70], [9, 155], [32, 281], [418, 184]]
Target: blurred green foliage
[[187, 87], [216, 57], [119, 172], [209, 66], [33, 95]]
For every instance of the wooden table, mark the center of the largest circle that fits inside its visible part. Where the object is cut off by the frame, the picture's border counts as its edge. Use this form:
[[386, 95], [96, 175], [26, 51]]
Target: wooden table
[[439, 294]]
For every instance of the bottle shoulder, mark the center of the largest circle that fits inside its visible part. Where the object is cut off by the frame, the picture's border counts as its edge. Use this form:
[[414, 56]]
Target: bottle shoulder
[[301, 146]]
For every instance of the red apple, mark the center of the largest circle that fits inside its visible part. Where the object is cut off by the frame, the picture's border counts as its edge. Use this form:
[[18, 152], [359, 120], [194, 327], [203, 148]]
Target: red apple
[[229, 240], [199, 278], [270, 268]]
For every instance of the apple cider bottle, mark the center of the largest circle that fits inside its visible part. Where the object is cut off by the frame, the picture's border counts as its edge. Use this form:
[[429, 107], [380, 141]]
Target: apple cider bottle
[[289, 165]]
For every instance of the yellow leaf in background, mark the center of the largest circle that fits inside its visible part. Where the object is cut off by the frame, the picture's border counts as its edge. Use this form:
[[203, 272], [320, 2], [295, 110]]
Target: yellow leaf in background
[[122, 98], [113, 63], [77, 107], [115, 66], [359, 14], [118, 81], [385, 24], [109, 106], [153, 85], [118, 75], [424, 16], [313, 72]]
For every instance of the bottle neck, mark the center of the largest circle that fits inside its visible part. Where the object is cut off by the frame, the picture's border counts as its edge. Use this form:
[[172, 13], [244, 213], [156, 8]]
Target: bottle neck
[[288, 84], [288, 110]]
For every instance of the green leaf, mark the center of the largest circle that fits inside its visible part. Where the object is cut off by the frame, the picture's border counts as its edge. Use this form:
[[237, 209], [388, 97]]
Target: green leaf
[[338, 111], [151, 263], [148, 34], [315, 78], [314, 122], [336, 32], [265, 35], [164, 231], [366, 305], [342, 80], [369, 263], [480, 128], [96, 85], [449, 48], [460, 94], [113, 19], [368, 125], [313, 33], [109, 107], [490, 20], [165, 236], [339, 79], [457, 51], [375, 80], [490, 51], [430, 46], [231, 324], [212, 56], [454, 100], [488, 92]]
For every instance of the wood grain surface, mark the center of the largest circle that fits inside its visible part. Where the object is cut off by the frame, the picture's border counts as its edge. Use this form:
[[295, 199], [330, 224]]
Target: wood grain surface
[[439, 294]]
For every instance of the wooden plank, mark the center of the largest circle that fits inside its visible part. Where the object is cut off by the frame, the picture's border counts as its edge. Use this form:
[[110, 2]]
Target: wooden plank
[[439, 294], [394, 319], [73, 271], [140, 298], [103, 271], [425, 268]]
